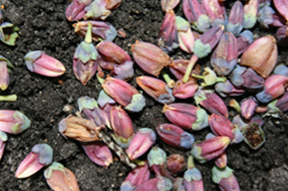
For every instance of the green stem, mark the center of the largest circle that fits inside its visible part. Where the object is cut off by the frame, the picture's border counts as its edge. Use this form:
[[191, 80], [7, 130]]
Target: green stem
[[100, 80], [221, 79], [190, 66], [198, 76], [88, 37], [170, 82], [12, 97], [190, 162]]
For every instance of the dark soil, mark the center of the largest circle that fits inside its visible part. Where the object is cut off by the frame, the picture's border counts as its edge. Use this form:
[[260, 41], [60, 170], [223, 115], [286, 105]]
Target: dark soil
[[43, 26]]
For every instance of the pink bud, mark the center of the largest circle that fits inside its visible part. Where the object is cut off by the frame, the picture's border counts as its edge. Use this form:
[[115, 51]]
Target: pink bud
[[216, 11], [250, 13], [225, 179], [13, 122], [248, 107], [185, 35], [75, 10], [4, 75], [41, 63], [155, 184], [221, 161], [3, 140], [185, 90], [282, 7]]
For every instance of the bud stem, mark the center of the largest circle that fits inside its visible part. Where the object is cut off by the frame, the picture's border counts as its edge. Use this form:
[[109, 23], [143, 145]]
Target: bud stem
[[234, 104], [12, 97], [100, 80], [88, 37], [170, 82], [190, 162], [190, 66]]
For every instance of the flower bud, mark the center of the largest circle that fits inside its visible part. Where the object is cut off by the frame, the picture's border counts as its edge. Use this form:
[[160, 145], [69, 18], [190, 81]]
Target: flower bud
[[225, 179], [176, 164], [261, 55], [97, 10], [265, 16], [185, 35], [221, 126], [224, 57], [60, 178], [40, 156], [248, 107], [244, 40], [221, 161], [236, 17], [225, 89], [157, 160], [209, 149], [281, 103], [250, 13], [8, 38], [140, 143], [149, 57], [41, 63], [175, 136], [156, 88], [123, 93], [209, 77], [192, 177], [13, 122], [186, 116], [75, 11], [155, 184], [4, 78], [185, 90], [98, 152], [215, 10], [79, 129], [169, 4], [3, 140], [282, 8]]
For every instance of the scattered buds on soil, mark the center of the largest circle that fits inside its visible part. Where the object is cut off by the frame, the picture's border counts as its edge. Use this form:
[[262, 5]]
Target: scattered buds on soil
[[60, 178], [13, 122], [225, 179], [43, 64], [41, 155]]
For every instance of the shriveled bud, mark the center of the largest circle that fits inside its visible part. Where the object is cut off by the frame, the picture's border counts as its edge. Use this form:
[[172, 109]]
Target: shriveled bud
[[123, 93], [149, 57], [8, 33], [3, 140], [274, 87], [168, 38], [43, 64], [253, 134], [225, 89], [185, 36], [248, 107], [100, 30], [282, 8], [185, 90], [261, 55], [97, 10], [236, 17], [244, 40], [265, 16], [209, 77], [140, 143], [211, 102], [221, 161], [122, 126], [215, 10], [178, 68], [98, 152], [136, 177], [196, 15], [13, 122], [175, 136], [169, 4], [4, 75], [186, 116], [155, 184], [79, 129], [40, 156], [205, 44], [75, 11], [60, 178], [209, 149], [224, 57], [156, 88], [225, 179], [176, 164], [250, 13], [222, 126]]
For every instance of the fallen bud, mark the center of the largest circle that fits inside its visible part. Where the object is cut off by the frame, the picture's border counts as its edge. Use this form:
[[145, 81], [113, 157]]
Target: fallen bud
[[3, 140], [97, 10], [13, 122], [221, 161], [178, 68], [216, 11], [225, 179], [155, 184], [248, 107], [175, 164], [244, 40], [265, 16], [4, 77], [282, 8], [60, 178], [192, 177], [225, 89], [185, 36], [175, 136], [236, 17], [209, 77], [185, 90], [41, 155], [43, 64], [76, 9], [250, 13]]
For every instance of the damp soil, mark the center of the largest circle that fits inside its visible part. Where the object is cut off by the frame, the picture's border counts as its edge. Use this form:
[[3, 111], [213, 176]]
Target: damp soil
[[43, 26]]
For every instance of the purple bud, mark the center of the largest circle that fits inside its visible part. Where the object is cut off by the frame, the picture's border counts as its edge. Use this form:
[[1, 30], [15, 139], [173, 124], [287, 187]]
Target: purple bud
[[175, 164], [281, 70], [185, 90], [244, 40], [60, 178], [13, 122], [186, 116], [252, 81], [225, 89], [4, 77], [236, 17], [248, 107], [215, 10], [225, 179], [3, 140], [41, 63], [98, 152], [278, 20], [224, 57], [185, 35], [140, 143], [75, 11], [156, 88], [167, 38], [265, 16], [155, 184], [282, 102], [175, 136], [136, 177], [40, 156]]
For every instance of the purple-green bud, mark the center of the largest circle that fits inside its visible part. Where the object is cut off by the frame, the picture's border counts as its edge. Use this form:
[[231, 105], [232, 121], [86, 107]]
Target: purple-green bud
[[265, 15], [224, 57], [250, 14], [155, 184], [41, 155], [13, 122], [236, 17], [60, 178], [98, 152], [75, 11], [279, 104], [186, 116], [176, 164], [156, 157], [3, 140], [175, 136], [192, 177], [209, 77], [225, 179], [140, 143], [185, 36], [248, 107]]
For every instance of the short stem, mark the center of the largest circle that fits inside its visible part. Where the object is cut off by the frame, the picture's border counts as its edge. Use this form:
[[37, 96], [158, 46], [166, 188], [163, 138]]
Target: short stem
[[170, 82], [234, 104], [100, 80], [198, 76], [221, 79], [88, 37], [190, 66], [190, 162], [12, 97]]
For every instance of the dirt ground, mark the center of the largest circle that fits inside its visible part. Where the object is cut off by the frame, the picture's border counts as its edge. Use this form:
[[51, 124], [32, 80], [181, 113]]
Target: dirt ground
[[43, 26]]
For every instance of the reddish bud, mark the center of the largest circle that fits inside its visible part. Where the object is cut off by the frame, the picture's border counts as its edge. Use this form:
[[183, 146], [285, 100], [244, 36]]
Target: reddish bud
[[244, 40], [75, 11], [221, 161], [185, 90], [282, 8], [236, 17], [176, 164], [248, 107], [155, 184], [215, 10], [185, 35], [225, 179], [4, 75], [13, 122]]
